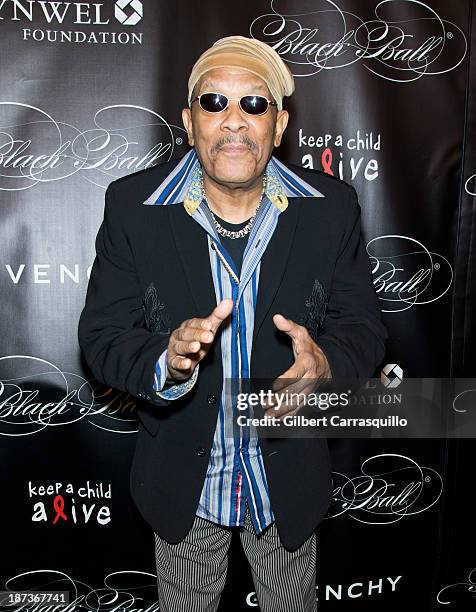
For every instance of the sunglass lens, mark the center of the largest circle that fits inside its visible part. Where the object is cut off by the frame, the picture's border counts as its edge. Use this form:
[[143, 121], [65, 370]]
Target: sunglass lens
[[213, 102], [254, 105]]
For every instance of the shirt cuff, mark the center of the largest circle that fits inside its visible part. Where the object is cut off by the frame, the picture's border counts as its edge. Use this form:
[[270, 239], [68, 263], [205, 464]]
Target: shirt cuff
[[171, 392]]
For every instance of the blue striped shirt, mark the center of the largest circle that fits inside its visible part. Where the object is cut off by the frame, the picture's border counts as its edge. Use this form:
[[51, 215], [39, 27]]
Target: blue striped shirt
[[235, 471]]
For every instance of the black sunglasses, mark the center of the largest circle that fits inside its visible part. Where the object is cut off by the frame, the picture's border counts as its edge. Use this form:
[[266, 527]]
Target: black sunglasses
[[213, 102]]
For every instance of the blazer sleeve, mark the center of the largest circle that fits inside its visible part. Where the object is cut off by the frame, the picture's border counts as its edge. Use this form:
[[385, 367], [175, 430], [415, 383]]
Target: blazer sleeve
[[117, 347], [353, 336]]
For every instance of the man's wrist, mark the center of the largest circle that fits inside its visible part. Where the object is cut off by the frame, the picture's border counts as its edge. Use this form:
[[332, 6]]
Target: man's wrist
[[176, 389], [323, 363], [170, 381]]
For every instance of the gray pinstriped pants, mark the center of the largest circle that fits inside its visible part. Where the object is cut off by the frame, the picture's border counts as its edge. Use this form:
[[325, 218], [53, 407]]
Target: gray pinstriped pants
[[191, 574]]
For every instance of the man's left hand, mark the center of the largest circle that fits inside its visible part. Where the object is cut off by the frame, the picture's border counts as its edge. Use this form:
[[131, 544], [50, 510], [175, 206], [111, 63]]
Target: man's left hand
[[310, 364]]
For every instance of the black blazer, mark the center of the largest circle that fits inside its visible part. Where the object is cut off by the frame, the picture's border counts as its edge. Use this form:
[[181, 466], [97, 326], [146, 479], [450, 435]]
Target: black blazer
[[152, 271]]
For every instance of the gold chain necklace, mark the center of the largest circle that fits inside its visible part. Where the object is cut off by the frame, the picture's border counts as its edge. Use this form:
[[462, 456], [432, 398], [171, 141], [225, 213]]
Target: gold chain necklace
[[233, 233]]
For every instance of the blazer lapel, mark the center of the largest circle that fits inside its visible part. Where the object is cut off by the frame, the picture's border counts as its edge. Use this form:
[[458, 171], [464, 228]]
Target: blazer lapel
[[274, 260], [192, 248]]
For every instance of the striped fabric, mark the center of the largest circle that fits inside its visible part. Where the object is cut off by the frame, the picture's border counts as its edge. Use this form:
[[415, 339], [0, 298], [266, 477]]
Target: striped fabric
[[236, 471], [191, 574], [173, 188]]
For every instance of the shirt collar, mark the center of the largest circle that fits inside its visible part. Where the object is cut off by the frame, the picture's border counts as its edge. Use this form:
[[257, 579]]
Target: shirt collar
[[183, 185]]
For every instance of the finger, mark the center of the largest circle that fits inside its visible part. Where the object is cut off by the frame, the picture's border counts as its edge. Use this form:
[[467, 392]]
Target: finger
[[195, 333], [178, 362], [198, 323], [183, 348], [220, 313], [293, 399], [288, 378], [285, 408], [287, 325], [290, 413]]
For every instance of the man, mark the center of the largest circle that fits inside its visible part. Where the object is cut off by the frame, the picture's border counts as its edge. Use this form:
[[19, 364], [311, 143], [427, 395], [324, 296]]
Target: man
[[230, 265]]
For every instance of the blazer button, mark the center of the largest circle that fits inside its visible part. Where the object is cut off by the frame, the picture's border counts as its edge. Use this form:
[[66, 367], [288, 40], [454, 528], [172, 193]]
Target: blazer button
[[200, 451], [212, 399]]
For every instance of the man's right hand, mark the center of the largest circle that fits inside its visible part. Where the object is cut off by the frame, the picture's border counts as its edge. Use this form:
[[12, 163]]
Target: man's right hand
[[189, 343]]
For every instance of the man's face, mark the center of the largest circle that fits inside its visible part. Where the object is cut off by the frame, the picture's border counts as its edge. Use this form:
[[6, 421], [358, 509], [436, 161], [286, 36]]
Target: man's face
[[232, 146]]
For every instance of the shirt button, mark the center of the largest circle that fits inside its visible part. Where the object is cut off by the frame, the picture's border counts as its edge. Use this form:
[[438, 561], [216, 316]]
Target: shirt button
[[212, 399], [200, 451]]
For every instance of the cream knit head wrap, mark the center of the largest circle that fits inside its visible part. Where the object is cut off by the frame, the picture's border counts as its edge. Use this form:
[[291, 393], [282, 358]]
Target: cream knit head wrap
[[249, 54]]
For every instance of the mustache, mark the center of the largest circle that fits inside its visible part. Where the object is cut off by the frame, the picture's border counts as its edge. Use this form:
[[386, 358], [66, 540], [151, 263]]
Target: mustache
[[243, 140]]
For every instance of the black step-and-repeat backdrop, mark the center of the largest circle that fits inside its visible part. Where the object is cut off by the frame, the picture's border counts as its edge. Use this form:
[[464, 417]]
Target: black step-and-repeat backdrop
[[385, 100]]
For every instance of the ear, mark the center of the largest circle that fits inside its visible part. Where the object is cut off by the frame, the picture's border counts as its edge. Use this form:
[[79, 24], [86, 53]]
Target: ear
[[281, 123], [187, 122]]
